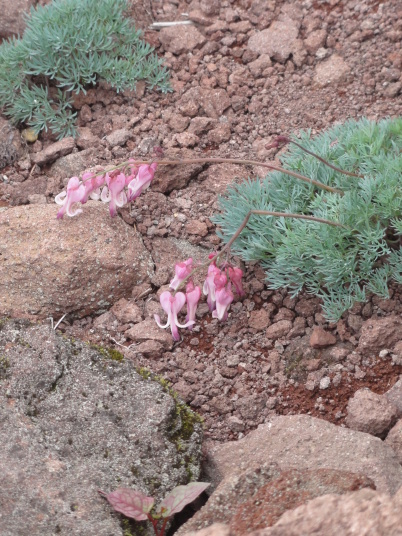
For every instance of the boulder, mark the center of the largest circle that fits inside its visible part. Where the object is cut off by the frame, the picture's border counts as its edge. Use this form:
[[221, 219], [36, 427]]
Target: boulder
[[76, 419], [304, 442], [79, 265]]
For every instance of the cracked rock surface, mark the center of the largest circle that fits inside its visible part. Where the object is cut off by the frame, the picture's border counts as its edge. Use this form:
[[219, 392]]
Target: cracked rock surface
[[74, 421]]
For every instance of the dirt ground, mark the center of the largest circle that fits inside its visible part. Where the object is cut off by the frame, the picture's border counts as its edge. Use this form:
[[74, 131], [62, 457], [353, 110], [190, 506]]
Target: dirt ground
[[230, 100]]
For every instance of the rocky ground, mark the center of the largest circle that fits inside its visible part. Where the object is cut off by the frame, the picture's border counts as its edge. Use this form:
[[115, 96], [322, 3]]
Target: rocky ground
[[243, 72]]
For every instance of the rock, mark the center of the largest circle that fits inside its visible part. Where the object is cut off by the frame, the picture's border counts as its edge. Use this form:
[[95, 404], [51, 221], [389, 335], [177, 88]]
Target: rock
[[362, 513], [12, 17], [331, 72], [181, 39], [304, 442], [197, 228], [379, 333], [315, 40], [210, 7], [214, 101], [217, 177], [186, 139], [118, 137], [259, 320], [394, 395], [176, 177], [321, 338], [259, 65], [86, 139], [220, 134], [370, 413], [54, 151], [279, 329], [258, 497], [217, 529], [278, 41], [73, 165], [394, 440], [127, 311], [149, 330], [78, 265], [291, 489], [19, 193], [76, 421], [10, 143]]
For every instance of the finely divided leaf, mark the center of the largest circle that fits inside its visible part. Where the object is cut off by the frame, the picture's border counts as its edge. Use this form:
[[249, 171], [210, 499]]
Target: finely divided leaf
[[130, 502], [179, 497]]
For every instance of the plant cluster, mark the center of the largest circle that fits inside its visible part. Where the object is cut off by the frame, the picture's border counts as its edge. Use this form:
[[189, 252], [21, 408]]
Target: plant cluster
[[136, 505], [340, 263], [67, 46], [335, 230]]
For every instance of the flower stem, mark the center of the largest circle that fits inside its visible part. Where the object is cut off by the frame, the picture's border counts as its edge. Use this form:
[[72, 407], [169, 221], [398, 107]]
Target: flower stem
[[278, 215], [349, 173], [243, 225], [228, 161]]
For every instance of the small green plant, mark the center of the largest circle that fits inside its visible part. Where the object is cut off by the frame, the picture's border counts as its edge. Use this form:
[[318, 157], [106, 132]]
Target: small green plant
[[135, 504], [66, 47], [341, 262]]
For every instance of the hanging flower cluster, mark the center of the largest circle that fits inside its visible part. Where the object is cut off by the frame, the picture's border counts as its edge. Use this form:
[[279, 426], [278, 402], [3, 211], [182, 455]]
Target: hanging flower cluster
[[116, 187], [217, 287]]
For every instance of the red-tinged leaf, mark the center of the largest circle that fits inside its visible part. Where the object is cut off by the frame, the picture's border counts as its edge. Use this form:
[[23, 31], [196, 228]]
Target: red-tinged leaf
[[179, 497], [130, 502]]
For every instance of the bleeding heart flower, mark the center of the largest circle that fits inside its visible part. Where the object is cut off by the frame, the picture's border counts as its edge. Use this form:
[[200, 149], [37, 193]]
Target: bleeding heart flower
[[236, 275], [193, 295], [74, 194], [172, 305], [114, 193], [182, 270], [224, 297], [92, 185], [142, 181], [209, 285]]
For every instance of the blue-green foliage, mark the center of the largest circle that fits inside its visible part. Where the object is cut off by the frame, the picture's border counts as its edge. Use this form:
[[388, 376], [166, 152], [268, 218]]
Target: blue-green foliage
[[339, 265], [72, 43]]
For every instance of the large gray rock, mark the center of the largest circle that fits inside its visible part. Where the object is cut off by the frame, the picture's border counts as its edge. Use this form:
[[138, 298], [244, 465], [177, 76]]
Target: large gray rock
[[73, 421], [304, 442], [80, 265]]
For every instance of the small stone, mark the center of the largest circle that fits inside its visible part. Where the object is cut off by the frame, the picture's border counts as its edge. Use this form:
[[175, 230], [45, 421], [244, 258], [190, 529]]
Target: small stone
[[325, 382], [331, 72], [279, 329], [118, 137], [370, 413], [321, 338], [259, 320]]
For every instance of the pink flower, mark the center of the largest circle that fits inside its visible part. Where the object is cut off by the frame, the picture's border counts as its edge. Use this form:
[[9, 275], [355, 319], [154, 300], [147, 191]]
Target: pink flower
[[193, 295], [209, 285], [235, 275], [172, 305], [92, 184], [182, 270], [114, 193], [142, 181], [74, 194], [224, 297]]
